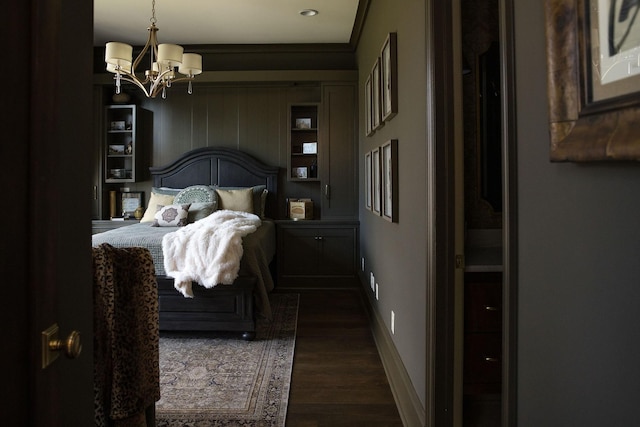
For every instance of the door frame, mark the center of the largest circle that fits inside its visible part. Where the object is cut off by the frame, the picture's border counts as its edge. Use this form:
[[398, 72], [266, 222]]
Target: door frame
[[442, 233]]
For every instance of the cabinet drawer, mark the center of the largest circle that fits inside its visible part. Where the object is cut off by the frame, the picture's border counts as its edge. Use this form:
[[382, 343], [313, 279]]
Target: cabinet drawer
[[483, 307], [482, 358]]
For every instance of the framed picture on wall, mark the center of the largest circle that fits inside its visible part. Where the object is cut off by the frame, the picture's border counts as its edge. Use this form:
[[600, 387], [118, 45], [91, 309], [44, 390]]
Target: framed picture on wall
[[389, 77], [376, 106], [376, 182], [593, 49], [389, 173], [368, 113], [367, 180]]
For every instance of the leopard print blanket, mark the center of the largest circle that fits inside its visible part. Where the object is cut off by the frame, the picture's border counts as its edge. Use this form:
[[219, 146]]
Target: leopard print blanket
[[126, 336]]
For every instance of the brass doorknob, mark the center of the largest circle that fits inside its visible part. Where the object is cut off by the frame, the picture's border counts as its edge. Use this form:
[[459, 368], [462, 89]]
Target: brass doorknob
[[71, 347]]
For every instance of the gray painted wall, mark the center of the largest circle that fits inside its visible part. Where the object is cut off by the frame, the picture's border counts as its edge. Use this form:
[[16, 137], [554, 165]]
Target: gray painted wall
[[396, 253], [579, 277]]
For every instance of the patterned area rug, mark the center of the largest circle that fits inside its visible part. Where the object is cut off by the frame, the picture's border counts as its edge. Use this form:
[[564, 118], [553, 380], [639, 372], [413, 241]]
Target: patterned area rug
[[211, 380]]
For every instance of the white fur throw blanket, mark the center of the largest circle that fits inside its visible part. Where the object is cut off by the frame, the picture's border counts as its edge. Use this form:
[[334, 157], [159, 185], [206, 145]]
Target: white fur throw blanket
[[207, 251]]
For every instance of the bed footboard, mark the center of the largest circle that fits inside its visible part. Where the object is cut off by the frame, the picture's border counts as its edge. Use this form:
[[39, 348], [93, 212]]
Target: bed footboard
[[222, 308]]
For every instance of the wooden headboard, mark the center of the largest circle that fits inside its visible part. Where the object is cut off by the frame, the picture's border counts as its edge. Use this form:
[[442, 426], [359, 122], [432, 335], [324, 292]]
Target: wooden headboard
[[225, 167]]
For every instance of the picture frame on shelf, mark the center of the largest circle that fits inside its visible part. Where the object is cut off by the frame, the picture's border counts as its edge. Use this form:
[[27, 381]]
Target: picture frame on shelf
[[367, 181], [118, 125], [116, 149], [376, 182], [300, 172], [131, 201], [309, 148], [303, 123], [589, 120], [389, 173], [389, 77]]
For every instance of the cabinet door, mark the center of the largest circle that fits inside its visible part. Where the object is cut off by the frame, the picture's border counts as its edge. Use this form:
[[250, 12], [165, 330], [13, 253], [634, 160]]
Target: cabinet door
[[298, 251], [337, 252], [339, 167]]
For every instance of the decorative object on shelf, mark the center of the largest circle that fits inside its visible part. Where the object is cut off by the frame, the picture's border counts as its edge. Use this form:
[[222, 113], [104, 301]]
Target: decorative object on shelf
[[300, 209], [117, 125], [303, 123], [165, 58], [313, 170], [300, 172], [131, 201], [309, 147]]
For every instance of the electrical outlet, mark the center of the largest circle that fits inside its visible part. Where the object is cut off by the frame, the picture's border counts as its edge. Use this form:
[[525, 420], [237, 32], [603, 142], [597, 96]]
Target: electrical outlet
[[393, 322], [377, 296], [362, 263], [373, 283]]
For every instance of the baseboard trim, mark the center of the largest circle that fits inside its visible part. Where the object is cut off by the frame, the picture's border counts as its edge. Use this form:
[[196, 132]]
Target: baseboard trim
[[410, 408]]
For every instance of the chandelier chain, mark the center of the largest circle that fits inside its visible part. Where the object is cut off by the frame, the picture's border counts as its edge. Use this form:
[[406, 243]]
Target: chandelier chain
[[153, 12]]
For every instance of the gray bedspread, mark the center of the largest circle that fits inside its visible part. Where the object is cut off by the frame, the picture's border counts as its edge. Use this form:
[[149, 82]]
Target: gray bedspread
[[259, 248]]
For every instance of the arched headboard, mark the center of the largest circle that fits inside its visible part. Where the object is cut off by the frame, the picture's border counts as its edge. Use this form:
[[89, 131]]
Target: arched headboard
[[225, 167]]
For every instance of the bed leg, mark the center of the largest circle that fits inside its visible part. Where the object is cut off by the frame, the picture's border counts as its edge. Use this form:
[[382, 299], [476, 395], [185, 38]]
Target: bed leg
[[248, 336]]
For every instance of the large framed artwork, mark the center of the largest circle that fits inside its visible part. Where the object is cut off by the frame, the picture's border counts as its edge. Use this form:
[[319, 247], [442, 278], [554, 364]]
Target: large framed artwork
[[593, 79]]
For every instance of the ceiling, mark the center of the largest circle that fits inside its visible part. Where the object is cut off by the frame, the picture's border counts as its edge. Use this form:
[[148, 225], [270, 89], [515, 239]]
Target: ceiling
[[225, 21]]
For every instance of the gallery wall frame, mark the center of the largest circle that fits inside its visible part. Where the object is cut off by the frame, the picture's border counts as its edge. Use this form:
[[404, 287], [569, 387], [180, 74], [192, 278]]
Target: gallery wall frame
[[389, 185], [376, 182], [389, 78], [367, 181], [368, 119], [376, 105], [585, 126]]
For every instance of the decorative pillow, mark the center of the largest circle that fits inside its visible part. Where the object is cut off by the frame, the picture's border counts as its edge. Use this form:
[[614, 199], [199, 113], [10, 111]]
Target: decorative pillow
[[236, 200], [196, 194], [171, 216], [259, 197], [166, 190], [201, 210], [156, 200]]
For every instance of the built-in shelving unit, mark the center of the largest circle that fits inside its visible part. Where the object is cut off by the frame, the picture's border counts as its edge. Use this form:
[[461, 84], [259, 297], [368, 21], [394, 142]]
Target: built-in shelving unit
[[304, 146]]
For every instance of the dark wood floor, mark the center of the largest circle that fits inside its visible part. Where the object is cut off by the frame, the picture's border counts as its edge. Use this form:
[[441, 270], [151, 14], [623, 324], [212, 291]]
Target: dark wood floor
[[338, 378]]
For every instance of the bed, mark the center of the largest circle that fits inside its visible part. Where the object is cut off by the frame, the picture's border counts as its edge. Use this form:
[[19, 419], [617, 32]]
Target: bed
[[233, 307]]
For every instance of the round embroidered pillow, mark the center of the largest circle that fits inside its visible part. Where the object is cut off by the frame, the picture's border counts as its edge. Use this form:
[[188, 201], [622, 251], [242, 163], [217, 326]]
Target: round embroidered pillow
[[196, 194]]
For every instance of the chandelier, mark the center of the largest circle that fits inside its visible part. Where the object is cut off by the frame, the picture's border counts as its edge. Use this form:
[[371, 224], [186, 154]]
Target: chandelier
[[165, 58]]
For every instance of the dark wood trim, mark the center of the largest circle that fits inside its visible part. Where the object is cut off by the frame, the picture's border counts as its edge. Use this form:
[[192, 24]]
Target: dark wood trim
[[442, 279], [509, 217], [404, 393], [361, 16]]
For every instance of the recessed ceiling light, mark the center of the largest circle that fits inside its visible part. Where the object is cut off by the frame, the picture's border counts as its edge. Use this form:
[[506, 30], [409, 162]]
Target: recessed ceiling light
[[308, 12]]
